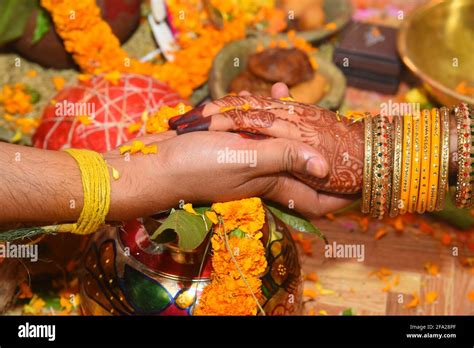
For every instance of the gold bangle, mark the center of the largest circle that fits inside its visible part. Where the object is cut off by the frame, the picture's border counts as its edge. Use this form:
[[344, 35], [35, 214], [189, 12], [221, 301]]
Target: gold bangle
[[96, 185], [381, 185], [376, 164], [444, 160], [434, 161], [425, 162], [415, 163], [397, 165], [463, 187], [406, 162], [367, 179]]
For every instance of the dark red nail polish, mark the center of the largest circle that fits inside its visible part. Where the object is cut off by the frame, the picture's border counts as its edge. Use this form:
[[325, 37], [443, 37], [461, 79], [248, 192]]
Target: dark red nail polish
[[196, 126], [188, 117]]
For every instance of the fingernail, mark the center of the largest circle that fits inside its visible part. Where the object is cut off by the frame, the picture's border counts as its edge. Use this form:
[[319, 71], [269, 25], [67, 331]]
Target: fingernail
[[197, 126], [317, 167], [253, 136], [188, 117]]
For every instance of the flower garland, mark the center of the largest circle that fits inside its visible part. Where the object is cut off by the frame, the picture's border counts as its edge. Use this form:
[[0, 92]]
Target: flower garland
[[96, 49], [238, 259]]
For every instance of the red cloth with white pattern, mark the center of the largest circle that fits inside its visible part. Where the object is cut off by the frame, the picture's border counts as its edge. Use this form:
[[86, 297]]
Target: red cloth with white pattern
[[115, 108]]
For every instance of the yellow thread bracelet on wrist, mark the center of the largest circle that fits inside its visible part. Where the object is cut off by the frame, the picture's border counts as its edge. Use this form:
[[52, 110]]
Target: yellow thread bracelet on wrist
[[96, 185]]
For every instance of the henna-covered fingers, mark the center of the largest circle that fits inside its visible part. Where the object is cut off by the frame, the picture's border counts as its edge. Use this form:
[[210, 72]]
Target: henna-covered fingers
[[241, 102], [254, 121]]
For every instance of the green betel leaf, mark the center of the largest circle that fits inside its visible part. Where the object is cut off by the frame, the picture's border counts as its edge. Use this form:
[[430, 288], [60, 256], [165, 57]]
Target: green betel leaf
[[43, 24], [191, 229], [14, 15], [296, 221], [347, 312]]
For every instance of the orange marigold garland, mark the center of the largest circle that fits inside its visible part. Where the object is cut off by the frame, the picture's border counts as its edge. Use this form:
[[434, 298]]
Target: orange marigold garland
[[236, 290], [96, 50]]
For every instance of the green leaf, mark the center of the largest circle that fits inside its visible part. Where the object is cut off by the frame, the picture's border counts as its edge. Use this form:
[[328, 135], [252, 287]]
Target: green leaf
[[237, 233], [296, 221], [191, 229], [347, 312], [35, 96], [201, 210], [14, 15], [43, 24], [457, 217]]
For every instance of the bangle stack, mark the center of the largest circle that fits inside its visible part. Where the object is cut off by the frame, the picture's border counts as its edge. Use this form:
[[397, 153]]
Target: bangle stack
[[406, 162]]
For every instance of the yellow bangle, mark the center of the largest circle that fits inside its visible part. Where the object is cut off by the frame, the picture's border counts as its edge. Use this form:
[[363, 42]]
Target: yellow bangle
[[434, 160], [444, 160], [406, 163], [425, 162], [415, 163], [96, 186]]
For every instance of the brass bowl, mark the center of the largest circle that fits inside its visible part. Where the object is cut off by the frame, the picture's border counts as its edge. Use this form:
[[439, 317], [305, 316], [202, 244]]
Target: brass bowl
[[224, 70], [432, 39], [338, 12]]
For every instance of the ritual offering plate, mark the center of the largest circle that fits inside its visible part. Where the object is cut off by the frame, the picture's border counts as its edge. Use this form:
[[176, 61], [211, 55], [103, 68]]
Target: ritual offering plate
[[255, 64], [126, 273]]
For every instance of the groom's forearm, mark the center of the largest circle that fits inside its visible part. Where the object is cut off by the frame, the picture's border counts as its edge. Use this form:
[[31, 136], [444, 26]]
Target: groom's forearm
[[38, 185]]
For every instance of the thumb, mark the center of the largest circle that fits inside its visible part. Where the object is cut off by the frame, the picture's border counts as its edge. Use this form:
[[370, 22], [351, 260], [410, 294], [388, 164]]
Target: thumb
[[283, 155]]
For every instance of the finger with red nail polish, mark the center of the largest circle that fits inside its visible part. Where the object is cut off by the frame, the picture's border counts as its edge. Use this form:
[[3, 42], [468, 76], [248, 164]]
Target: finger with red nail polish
[[196, 126], [190, 116]]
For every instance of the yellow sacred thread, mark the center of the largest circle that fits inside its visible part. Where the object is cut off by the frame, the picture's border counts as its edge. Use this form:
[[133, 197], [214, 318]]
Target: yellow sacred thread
[[96, 186]]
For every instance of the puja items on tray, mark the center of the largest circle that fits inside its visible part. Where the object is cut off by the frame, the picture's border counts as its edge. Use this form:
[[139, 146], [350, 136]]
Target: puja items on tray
[[278, 64]]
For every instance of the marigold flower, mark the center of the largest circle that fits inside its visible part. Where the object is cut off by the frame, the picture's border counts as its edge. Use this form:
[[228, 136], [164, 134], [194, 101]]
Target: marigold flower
[[15, 99], [95, 49], [248, 215]]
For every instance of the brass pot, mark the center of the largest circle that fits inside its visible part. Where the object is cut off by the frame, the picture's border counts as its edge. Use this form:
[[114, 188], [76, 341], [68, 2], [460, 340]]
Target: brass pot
[[125, 273]]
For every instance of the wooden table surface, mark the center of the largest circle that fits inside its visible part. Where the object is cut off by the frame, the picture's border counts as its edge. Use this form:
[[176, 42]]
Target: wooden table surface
[[405, 255]]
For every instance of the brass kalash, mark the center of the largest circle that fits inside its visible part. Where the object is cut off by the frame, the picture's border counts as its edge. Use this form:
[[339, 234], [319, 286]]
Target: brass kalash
[[436, 42]]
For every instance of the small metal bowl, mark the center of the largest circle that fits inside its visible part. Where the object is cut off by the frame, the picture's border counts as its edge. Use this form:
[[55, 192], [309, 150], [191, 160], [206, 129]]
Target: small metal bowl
[[436, 42], [338, 12]]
